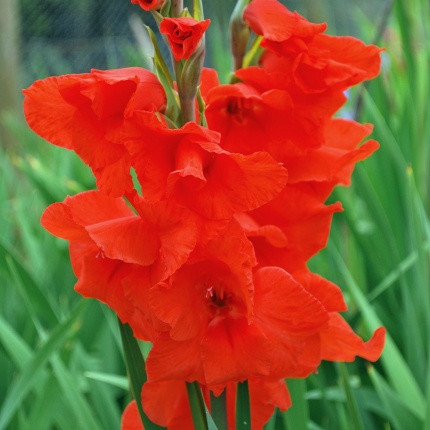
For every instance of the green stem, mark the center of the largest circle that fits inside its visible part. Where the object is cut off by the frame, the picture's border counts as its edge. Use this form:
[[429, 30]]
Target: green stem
[[177, 7], [243, 407], [197, 406], [239, 34], [219, 410], [188, 78]]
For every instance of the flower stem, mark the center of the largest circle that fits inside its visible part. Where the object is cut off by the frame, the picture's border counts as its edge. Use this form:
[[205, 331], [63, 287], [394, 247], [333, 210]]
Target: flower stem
[[197, 406], [239, 34], [219, 410], [243, 407], [177, 7], [188, 78]]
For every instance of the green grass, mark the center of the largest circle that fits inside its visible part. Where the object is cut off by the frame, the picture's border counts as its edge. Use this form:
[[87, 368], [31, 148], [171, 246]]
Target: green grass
[[60, 357]]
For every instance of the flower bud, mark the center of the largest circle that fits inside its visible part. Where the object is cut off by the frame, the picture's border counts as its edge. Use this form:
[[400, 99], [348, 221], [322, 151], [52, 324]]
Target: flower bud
[[149, 4], [239, 34], [184, 35]]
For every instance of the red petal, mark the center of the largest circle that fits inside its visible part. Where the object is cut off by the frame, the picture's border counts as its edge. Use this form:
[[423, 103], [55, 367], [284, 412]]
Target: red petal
[[365, 59], [266, 394], [234, 350], [92, 207], [130, 239], [58, 220], [177, 232], [166, 404], [169, 359], [148, 95], [304, 221], [130, 418], [329, 294], [270, 19], [46, 111], [284, 305], [290, 317], [183, 303], [101, 278], [340, 343], [257, 179]]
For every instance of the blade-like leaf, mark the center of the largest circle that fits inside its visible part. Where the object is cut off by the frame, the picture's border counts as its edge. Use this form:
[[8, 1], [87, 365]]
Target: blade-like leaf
[[25, 382]]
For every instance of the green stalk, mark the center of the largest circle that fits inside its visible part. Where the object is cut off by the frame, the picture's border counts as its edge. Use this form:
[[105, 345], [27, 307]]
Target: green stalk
[[177, 6], [243, 407], [239, 34], [197, 406], [219, 410]]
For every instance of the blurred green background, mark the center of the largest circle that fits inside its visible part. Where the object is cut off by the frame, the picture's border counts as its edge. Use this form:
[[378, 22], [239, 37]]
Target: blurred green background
[[61, 365]]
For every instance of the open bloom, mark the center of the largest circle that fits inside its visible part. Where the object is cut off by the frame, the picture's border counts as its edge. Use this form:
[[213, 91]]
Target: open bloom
[[317, 62], [187, 165], [77, 112], [184, 35], [109, 244], [263, 322]]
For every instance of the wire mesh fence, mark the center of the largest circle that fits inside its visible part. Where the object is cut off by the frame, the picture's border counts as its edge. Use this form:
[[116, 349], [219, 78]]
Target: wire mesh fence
[[40, 38], [63, 37]]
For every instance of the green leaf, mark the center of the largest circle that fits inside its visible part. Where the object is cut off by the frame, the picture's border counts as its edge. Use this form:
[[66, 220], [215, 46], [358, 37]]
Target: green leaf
[[136, 371], [45, 407], [355, 419], [198, 10], [297, 417], [114, 380], [75, 399], [394, 364], [210, 421], [17, 349], [397, 410], [25, 382], [35, 299]]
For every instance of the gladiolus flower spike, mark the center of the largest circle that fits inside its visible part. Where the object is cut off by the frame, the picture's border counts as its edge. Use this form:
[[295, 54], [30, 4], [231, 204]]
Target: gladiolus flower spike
[[205, 256]]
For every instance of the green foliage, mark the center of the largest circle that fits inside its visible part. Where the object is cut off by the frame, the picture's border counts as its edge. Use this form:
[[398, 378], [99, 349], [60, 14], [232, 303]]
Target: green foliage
[[60, 357]]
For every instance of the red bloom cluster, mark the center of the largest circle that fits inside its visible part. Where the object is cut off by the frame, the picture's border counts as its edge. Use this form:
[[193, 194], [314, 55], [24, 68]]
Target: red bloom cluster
[[205, 254]]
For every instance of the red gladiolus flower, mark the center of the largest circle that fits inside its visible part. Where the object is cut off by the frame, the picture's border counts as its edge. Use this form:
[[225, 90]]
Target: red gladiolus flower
[[268, 338], [78, 112], [184, 35], [290, 229], [188, 165], [149, 4], [251, 121], [318, 62], [109, 243]]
